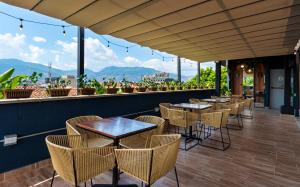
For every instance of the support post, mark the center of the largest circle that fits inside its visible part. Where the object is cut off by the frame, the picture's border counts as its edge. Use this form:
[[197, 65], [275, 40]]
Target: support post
[[218, 78], [80, 52], [198, 74], [267, 85], [178, 69], [296, 84]]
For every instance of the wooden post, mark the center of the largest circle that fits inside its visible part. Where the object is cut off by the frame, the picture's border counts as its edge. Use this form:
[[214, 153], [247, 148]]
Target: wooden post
[[218, 78], [80, 52]]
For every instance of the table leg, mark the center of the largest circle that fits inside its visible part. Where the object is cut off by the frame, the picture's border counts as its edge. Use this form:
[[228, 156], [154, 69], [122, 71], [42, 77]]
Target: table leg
[[115, 177]]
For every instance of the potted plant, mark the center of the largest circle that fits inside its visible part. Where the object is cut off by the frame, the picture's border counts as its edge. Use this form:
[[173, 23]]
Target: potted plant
[[172, 85], [85, 86], [187, 85], [151, 85], [179, 86], [126, 86], [111, 86], [20, 86], [59, 88], [142, 87], [99, 87], [163, 86]]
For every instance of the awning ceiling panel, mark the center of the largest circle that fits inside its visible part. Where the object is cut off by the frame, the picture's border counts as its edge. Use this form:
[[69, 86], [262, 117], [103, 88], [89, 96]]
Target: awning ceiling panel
[[201, 30]]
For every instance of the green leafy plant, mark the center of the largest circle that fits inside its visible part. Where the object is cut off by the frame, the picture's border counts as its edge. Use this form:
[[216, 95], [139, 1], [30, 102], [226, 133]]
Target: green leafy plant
[[60, 83], [110, 83], [30, 80], [84, 82], [100, 88], [126, 84]]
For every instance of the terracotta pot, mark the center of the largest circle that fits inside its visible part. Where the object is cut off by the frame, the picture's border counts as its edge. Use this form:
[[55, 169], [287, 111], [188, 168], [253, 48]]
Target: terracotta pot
[[59, 92], [17, 93], [195, 87], [141, 89], [127, 90], [172, 88], [112, 90], [153, 89], [179, 88], [87, 91], [163, 88]]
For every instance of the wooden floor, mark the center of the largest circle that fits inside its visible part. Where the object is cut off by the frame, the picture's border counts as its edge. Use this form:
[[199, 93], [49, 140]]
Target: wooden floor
[[265, 153]]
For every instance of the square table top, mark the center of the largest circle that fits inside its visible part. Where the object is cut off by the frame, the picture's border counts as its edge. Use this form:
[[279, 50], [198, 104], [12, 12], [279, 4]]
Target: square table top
[[192, 106], [116, 127], [221, 100]]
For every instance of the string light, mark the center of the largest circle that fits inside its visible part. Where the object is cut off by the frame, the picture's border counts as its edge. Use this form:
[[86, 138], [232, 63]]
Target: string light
[[64, 31], [109, 43], [21, 24]]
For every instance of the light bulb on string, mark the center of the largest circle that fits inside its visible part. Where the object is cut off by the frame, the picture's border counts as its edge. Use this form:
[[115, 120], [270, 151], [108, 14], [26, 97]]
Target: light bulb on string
[[172, 59], [163, 58], [21, 24], [107, 43], [127, 50], [64, 31], [152, 52]]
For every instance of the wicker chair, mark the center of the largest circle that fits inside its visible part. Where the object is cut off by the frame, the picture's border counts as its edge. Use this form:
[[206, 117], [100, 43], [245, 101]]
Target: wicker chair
[[186, 120], [77, 164], [236, 110], [248, 106], [216, 120], [142, 140], [90, 139], [148, 165]]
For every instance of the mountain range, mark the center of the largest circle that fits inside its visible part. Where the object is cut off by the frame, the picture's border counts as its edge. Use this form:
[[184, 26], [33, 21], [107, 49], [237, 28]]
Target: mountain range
[[130, 73]]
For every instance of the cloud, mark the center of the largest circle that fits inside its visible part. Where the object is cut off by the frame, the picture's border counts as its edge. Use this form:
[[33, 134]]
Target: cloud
[[39, 39], [63, 55]]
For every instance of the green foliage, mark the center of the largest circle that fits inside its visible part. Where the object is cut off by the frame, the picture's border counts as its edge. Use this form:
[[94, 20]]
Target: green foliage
[[208, 79], [84, 82], [248, 81], [30, 80], [125, 83], [60, 83], [150, 83], [111, 83], [100, 88]]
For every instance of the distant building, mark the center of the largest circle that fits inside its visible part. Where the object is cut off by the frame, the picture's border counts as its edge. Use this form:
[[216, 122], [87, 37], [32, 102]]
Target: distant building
[[70, 78], [158, 77]]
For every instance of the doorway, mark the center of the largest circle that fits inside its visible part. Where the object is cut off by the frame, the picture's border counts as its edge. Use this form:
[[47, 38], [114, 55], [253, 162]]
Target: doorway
[[277, 88]]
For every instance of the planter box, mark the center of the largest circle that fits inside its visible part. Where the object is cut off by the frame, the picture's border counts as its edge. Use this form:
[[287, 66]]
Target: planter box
[[163, 88], [141, 89], [127, 90], [172, 88], [112, 90], [153, 89], [87, 91], [17, 93], [58, 92]]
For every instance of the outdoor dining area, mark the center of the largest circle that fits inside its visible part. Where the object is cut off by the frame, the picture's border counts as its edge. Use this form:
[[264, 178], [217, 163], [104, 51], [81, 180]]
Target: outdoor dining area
[[184, 137], [145, 148]]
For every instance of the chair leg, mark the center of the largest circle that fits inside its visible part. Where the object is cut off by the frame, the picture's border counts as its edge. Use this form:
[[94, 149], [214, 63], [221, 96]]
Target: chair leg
[[176, 176], [222, 138], [186, 138], [242, 121], [91, 182], [142, 184], [228, 135], [53, 176]]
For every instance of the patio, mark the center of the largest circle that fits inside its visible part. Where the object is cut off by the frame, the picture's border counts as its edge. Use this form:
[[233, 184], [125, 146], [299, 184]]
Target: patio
[[255, 38], [264, 153]]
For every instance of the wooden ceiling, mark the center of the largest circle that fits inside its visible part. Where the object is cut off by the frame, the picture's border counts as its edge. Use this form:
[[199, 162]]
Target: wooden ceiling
[[200, 30]]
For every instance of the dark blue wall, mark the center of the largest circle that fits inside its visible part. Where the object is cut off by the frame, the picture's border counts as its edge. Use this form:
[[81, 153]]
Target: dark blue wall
[[34, 117]]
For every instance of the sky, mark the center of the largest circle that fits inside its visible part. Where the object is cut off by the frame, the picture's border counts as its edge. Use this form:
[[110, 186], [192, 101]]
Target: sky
[[44, 44]]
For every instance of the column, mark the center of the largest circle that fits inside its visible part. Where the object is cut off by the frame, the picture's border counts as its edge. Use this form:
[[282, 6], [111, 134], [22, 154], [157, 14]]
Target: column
[[218, 78], [80, 51], [178, 69], [198, 74]]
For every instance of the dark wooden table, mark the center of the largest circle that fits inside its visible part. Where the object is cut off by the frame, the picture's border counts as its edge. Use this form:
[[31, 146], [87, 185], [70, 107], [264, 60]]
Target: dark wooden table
[[116, 128]]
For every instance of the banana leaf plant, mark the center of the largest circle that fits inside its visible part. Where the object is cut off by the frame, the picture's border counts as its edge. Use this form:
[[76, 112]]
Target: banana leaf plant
[[9, 82]]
